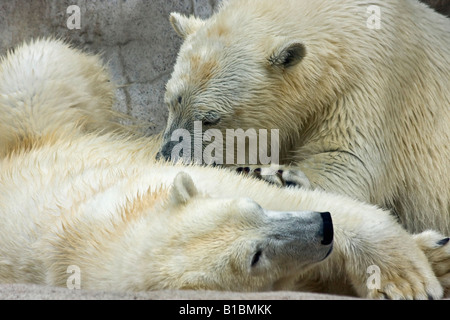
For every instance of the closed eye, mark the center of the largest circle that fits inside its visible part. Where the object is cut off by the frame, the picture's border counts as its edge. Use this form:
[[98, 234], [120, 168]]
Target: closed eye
[[256, 258], [211, 122]]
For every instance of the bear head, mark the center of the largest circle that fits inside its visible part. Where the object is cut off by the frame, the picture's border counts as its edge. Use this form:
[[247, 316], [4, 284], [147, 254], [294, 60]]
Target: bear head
[[254, 65], [200, 242]]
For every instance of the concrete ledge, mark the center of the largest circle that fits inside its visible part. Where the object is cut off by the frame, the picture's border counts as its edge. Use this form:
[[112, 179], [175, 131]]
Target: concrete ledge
[[35, 292]]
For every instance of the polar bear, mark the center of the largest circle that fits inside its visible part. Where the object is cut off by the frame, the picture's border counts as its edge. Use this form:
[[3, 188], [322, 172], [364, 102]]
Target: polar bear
[[90, 208], [91, 102], [357, 89]]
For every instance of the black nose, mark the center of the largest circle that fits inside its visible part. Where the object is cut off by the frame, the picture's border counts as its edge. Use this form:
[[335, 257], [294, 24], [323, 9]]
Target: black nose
[[327, 228], [166, 150], [161, 156]]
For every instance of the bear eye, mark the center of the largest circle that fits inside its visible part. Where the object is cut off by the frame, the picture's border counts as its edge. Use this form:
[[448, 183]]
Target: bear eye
[[211, 119], [211, 122], [256, 258]]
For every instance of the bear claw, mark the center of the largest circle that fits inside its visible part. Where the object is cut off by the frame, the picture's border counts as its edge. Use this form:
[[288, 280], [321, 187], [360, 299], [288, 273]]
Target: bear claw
[[281, 178]]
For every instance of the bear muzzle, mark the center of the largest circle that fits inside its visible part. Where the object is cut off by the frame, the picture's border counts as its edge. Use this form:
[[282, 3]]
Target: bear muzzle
[[306, 235]]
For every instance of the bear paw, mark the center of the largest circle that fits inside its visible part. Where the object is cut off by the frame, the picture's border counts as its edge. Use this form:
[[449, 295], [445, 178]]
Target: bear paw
[[282, 177], [437, 249], [414, 272], [408, 285]]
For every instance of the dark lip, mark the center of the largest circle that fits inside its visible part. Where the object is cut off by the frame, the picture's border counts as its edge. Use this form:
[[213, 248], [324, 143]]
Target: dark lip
[[329, 252]]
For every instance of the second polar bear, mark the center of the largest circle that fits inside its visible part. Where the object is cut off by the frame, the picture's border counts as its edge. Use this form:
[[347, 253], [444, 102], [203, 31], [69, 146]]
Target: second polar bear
[[361, 110], [95, 203]]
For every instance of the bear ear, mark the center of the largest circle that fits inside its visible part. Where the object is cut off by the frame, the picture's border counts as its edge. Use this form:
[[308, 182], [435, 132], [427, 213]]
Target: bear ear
[[288, 55], [183, 189], [185, 26]]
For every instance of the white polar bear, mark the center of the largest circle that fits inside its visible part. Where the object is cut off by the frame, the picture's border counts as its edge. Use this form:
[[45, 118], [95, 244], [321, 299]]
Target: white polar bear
[[361, 110]]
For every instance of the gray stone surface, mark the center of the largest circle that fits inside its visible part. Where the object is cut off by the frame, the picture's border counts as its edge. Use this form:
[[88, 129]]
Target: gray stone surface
[[134, 36], [35, 292]]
